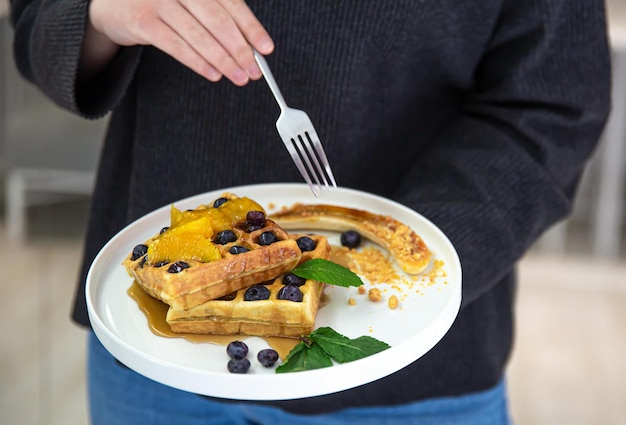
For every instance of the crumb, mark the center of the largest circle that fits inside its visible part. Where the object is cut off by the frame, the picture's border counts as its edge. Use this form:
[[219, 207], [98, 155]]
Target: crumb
[[375, 265], [351, 301], [361, 290], [393, 302], [375, 295]]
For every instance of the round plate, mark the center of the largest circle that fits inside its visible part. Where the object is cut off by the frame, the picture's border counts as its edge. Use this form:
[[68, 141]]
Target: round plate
[[425, 314]]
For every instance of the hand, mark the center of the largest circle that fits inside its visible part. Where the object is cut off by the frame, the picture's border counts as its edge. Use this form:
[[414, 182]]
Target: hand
[[212, 37]]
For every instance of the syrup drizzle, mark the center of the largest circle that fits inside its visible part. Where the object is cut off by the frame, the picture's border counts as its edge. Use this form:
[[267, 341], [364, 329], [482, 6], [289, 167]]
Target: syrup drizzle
[[155, 312]]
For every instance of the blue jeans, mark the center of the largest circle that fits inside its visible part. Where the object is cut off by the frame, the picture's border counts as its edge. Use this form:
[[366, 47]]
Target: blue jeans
[[119, 396]]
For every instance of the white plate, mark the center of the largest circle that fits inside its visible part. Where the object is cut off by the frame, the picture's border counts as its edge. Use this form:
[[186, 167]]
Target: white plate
[[412, 330]]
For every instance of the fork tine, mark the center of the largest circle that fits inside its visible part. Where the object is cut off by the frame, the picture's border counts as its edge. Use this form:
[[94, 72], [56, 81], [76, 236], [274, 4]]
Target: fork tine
[[314, 140], [295, 156], [316, 168], [300, 144]]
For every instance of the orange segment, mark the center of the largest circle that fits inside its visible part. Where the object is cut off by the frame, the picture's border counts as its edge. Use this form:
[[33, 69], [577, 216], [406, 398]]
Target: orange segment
[[190, 241], [216, 218], [190, 233], [237, 209]]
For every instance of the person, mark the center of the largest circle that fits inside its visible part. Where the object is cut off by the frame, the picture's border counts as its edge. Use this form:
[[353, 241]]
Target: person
[[479, 115]]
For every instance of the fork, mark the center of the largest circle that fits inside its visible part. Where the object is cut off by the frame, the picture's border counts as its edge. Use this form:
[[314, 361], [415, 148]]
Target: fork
[[300, 138]]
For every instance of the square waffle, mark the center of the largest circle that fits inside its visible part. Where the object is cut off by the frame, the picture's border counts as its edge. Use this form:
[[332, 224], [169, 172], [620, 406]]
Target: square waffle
[[192, 283], [232, 314]]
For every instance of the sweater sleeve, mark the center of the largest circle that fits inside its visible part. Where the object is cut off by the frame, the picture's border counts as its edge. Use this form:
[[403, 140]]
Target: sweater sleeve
[[48, 35], [507, 166]]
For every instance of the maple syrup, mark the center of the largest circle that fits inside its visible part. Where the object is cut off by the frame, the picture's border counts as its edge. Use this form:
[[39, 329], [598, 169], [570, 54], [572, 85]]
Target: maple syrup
[[155, 312]]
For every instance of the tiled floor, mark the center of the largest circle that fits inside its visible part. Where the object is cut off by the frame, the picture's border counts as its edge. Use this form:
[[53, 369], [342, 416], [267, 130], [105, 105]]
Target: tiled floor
[[568, 367]]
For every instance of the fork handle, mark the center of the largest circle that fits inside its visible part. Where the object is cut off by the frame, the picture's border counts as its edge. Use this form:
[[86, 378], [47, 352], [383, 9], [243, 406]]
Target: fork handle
[[269, 78]]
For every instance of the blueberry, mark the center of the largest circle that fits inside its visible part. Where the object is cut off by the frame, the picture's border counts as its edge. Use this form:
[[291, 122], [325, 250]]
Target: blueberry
[[219, 201], [350, 239], [238, 249], [139, 251], [256, 293], [237, 350], [292, 279], [290, 293], [224, 237], [143, 261], [305, 243], [228, 297], [161, 263], [177, 267], [267, 357], [267, 238], [255, 218], [163, 230], [238, 365], [249, 228]]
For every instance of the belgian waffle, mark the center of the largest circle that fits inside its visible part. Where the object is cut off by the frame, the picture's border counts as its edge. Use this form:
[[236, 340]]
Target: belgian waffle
[[198, 282], [268, 317]]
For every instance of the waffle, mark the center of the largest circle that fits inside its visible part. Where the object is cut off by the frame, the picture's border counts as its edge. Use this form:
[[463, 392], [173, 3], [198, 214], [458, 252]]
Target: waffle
[[270, 317], [199, 281]]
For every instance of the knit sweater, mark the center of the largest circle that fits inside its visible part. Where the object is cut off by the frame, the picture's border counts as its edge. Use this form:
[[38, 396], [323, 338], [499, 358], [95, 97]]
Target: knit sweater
[[478, 115]]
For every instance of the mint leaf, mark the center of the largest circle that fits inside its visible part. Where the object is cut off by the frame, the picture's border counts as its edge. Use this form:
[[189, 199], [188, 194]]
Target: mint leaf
[[318, 348], [305, 357], [327, 272], [343, 349]]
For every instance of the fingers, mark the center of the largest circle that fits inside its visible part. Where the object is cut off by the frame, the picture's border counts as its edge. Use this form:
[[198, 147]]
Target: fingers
[[170, 42], [252, 29], [199, 24], [214, 38], [233, 30]]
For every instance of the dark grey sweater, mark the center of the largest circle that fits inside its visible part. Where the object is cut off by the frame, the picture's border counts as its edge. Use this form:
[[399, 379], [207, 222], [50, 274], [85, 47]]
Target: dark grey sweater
[[478, 115]]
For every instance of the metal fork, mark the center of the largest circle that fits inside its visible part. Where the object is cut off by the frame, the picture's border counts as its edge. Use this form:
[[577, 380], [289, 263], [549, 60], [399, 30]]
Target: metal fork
[[299, 136]]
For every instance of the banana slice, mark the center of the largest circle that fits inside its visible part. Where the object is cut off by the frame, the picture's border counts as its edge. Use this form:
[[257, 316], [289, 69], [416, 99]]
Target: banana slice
[[406, 247]]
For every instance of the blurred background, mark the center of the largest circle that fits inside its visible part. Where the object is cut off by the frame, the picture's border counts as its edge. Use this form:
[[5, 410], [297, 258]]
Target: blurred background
[[569, 361]]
